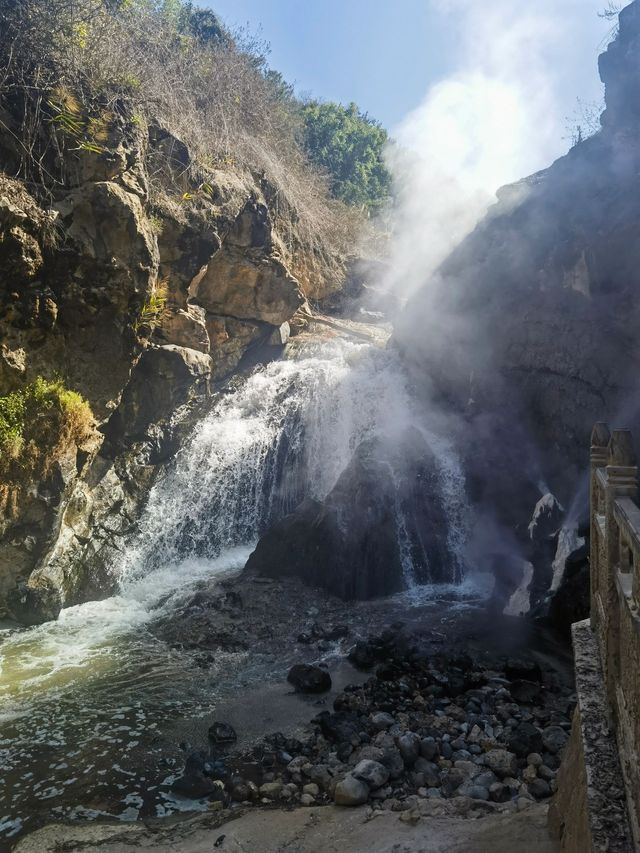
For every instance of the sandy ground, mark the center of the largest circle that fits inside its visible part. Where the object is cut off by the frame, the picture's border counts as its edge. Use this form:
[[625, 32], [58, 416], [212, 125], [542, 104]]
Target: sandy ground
[[312, 830]]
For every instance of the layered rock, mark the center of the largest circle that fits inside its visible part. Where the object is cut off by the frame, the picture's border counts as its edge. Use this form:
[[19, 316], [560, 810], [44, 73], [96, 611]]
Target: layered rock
[[145, 305], [539, 308]]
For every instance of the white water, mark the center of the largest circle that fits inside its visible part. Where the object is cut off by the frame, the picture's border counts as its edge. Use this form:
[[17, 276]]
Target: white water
[[285, 434], [76, 691]]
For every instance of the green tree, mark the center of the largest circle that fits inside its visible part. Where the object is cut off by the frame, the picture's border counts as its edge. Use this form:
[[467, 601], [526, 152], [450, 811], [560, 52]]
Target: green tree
[[348, 145]]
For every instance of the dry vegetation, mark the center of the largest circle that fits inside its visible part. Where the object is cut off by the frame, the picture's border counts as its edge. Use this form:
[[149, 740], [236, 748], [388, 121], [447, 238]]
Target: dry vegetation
[[77, 67]]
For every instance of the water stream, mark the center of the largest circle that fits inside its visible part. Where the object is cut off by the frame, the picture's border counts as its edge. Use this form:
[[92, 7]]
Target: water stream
[[81, 699]]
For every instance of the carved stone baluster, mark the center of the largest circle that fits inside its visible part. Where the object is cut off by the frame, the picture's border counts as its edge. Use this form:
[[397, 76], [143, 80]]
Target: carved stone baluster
[[600, 438], [621, 481]]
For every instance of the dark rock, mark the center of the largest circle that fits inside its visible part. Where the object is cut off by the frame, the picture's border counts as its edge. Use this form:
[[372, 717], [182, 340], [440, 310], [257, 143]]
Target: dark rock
[[524, 739], [539, 789], [348, 543], [363, 655], [571, 601], [554, 739], [525, 692], [392, 760], [451, 780], [409, 747], [373, 773], [35, 602], [307, 678], [428, 748], [382, 720], [522, 668], [221, 733], [199, 778]]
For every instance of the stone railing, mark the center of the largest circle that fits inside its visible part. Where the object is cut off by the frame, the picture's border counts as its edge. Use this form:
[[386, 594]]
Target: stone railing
[[615, 595]]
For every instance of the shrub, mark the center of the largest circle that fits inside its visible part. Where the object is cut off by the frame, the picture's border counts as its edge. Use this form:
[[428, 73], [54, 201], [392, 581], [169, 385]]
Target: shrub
[[349, 146], [164, 61], [38, 424], [153, 310]]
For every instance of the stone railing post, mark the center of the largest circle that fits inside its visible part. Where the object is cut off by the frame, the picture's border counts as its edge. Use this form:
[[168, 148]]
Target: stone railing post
[[600, 437], [621, 481]]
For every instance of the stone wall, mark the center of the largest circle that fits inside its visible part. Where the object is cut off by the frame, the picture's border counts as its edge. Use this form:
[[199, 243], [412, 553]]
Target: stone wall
[[598, 802]]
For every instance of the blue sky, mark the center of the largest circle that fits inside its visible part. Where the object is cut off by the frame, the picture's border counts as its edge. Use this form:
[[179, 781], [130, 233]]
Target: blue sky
[[385, 55]]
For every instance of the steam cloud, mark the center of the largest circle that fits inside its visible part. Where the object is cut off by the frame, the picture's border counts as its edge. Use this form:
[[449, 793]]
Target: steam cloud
[[501, 115]]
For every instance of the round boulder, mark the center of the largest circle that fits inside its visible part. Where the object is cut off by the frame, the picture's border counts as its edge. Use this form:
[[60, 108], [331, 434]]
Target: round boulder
[[307, 678], [372, 773], [350, 792]]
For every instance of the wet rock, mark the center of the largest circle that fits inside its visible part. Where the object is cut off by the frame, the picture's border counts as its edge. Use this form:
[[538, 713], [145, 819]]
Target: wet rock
[[35, 602], [350, 792], [241, 792], [220, 734], [348, 543], [363, 655], [307, 678], [197, 779], [279, 336]]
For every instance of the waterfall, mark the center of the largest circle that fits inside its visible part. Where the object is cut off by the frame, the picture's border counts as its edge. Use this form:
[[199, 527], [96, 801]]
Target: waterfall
[[283, 434], [99, 683]]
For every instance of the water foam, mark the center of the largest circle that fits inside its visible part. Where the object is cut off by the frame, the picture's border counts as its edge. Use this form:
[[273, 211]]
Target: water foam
[[283, 435]]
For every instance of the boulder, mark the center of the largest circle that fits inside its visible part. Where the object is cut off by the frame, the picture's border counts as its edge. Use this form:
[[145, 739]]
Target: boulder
[[524, 739], [373, 773], [230, 339], [185, 328], [501, 762], [409, 747], [350, 543], [35, 601], [309, 679], [350, 792], [164, 378], [220, 734], [554, 739], [249, 282], [279, 336]]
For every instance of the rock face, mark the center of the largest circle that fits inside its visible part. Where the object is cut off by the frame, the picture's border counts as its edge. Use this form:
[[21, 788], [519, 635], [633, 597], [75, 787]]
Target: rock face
[[383, 521], [540, 306], [145, 303]]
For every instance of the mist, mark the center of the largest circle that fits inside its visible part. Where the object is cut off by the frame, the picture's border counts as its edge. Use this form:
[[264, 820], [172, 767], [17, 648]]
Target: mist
[[520, 73]]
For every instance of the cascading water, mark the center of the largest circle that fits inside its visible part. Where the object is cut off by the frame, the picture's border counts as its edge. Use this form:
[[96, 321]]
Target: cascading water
[[285, 434], [79, 696]]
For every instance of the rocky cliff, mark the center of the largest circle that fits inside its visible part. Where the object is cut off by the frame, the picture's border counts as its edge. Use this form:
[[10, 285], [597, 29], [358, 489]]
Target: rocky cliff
[[144, 302], [529, 330]]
